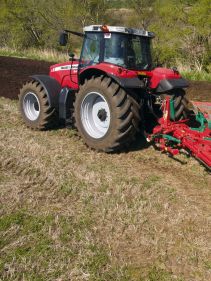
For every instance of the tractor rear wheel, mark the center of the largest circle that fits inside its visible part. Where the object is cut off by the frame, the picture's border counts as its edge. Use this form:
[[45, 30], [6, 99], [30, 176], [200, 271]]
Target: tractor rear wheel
[[106, 117], [35, 108]]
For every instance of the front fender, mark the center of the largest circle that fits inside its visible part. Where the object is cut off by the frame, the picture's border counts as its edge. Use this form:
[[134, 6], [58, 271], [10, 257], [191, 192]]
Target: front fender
[[52, 88]]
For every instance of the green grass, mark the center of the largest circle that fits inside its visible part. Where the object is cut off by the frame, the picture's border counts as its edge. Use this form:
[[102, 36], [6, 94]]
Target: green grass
[[197, 75]]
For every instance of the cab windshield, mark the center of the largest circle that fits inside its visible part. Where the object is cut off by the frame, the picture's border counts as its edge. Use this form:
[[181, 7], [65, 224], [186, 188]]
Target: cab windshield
[[128, 51]]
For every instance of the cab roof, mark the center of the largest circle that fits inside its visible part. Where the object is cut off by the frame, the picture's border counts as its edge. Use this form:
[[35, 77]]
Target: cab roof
[[118, 29]]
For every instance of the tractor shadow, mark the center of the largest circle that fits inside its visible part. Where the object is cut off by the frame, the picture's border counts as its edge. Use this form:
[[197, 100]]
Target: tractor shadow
[[140, 143]]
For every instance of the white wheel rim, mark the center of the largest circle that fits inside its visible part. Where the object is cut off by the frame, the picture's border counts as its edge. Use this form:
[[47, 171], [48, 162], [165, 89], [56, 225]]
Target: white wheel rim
[[31, 106], [95, 115]]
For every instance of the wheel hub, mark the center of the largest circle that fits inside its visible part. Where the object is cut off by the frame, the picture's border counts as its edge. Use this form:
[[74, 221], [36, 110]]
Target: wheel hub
[[95, 115], [102, 114], [31, 106]]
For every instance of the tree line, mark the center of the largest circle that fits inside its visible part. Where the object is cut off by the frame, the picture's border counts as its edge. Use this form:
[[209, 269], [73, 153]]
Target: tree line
[[182, 27]]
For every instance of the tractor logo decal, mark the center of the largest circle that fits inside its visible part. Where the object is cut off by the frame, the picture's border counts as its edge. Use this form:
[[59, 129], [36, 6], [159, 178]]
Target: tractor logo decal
[[65, 67]]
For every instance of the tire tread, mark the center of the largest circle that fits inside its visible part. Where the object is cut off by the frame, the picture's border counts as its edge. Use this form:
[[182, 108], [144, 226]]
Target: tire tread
[[126, 123]]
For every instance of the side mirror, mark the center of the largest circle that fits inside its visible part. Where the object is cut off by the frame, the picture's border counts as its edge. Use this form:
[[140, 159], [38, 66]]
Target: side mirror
[[63, 38], [71, 55]]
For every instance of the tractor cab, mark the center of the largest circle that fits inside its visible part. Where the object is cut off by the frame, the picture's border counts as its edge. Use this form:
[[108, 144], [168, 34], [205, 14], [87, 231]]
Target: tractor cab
[[121, 46], [122, 53]]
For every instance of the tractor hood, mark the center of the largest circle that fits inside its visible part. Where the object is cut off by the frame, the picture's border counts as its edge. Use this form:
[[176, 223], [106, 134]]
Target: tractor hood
[[64, 66], [66, 74]]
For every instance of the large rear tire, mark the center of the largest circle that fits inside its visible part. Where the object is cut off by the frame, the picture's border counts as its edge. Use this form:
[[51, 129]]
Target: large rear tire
[[106, 117], [34, 107]]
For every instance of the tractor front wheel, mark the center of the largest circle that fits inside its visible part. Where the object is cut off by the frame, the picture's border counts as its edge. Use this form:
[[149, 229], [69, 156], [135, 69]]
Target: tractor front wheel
[[106, 117], [35, 108]]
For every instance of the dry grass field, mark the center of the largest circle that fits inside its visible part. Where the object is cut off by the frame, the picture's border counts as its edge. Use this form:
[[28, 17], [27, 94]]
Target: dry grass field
[[69, 213]]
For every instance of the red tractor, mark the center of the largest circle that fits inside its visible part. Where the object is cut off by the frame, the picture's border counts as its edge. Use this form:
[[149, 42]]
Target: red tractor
[[111, 92]]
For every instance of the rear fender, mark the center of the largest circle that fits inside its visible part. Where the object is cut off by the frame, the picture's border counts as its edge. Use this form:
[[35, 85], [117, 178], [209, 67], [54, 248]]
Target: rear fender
[[89, 73], [131, 82], [52, 89], [166, 85]]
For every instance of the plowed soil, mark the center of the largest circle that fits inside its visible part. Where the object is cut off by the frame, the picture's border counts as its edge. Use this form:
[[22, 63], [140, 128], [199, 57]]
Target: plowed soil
[[15, 71]]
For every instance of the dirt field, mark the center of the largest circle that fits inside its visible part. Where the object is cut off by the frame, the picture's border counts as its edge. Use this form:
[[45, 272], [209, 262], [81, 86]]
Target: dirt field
[[14, 71], [68, 213]]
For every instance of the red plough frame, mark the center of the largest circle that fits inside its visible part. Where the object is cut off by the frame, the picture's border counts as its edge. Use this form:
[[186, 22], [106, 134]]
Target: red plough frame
[[172, 136]]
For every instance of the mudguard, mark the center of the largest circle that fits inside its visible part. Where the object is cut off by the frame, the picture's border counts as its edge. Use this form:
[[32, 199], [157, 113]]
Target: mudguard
[[134, 82], [52, 88], [170, 84], [66, 98]]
